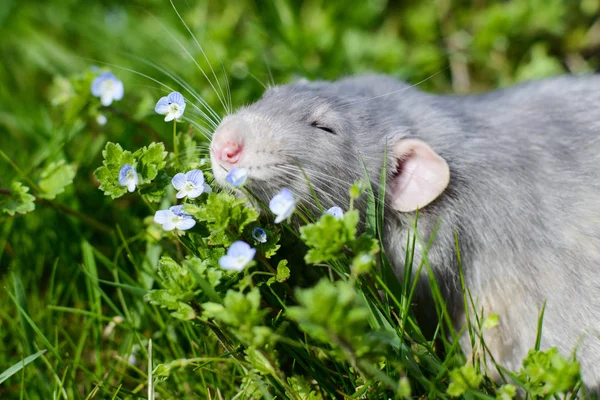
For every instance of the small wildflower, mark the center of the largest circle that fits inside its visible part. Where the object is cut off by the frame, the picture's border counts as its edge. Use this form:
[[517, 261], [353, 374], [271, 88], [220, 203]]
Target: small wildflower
[[108, 88], [282, 205], [128, 177], [173, 218], [336, 211], [238, 256], [236, 177], [172, 106], [101, 120], [259, 235], [190, 184]]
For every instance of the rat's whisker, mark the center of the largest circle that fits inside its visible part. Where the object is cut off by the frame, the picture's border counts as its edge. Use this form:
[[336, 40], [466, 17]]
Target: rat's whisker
[[396, 91], [221, 100], [227, 107], [202, 129], [214, 118]]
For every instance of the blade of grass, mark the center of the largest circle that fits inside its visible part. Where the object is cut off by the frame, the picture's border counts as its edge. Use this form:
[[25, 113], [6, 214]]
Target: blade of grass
[[20, 365]]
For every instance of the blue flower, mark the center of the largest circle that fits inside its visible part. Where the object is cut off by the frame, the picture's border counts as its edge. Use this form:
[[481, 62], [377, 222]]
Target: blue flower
[[238, 256], [128, 177], [173, 218], [259, 235], [108, 88], [282, 205], [172, 106], [236, 177], [336, 211], [190, 184]]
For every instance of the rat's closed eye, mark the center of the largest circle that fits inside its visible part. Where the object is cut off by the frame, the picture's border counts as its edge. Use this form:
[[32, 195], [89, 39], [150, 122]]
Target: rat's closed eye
[[322, 127]]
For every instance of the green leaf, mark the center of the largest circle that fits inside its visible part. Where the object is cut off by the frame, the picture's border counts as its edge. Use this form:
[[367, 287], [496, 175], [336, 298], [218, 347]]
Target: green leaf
[[283, 273], [156, 190], [463, 379], [329, 236], [225, 216], [547, 373], [55, 177], [108, 175], [20, 365], [506, 392], [238, 309], [18, 201], [491, 321], [332, 311], [150, 160]]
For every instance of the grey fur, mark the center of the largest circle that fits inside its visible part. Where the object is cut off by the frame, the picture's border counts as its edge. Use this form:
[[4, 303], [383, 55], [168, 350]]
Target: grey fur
[[524, 194]]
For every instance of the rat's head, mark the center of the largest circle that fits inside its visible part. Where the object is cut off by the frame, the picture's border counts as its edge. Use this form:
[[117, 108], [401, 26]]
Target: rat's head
[[323, 136]]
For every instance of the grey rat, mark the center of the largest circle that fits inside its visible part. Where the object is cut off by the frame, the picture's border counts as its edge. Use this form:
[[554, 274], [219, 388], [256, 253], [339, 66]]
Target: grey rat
[[514, 172]]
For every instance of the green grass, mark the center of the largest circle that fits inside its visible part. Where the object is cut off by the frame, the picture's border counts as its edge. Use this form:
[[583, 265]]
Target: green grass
[[74, 322]]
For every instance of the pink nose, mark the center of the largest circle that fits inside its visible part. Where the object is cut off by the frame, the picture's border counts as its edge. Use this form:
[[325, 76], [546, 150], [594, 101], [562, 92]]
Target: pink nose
[[228, 152]]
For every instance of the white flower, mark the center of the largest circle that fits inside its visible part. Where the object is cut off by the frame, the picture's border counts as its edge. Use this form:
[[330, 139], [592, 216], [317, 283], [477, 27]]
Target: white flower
[[236, 177], [336, 211], [172, 106], [190, 184], [173, 218], [128, 177], [238, 256], [108, 88], [282, 205]]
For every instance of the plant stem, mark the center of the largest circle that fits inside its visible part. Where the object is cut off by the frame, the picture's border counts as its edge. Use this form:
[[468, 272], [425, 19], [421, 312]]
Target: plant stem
[[23, 175], [175, 141]]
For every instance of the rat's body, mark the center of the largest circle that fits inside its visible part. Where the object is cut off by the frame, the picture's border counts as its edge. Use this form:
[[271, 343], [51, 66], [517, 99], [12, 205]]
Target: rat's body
[[523, 192]]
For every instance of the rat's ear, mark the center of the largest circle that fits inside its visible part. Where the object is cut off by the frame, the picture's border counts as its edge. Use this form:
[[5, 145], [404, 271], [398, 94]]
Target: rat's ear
[[419, 175]]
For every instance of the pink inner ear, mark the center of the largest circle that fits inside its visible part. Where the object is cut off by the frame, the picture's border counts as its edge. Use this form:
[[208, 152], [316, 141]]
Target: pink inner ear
[[421, 177]]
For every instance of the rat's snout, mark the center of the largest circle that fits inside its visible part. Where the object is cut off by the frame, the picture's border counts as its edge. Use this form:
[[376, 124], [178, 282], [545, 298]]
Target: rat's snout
[[227, 152], [227, 144]]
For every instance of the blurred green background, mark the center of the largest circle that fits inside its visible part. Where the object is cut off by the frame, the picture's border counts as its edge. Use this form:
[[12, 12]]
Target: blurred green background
[[50, 49]]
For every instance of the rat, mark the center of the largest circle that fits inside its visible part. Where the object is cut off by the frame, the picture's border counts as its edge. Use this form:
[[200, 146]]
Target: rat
[[512, 172]]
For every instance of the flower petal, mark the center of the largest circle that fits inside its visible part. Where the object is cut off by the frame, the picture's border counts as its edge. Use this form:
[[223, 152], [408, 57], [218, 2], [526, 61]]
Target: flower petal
[[169, 225], [179, 181], [161, 216], [131, 186], [196, 177], [336, 211], [177, 98], [239, 249], [169, 117], [230, 263], [196, 192], [182, 193], [118, 90], [186, 224], [162, 106], [178, 210], [106, 99], [207, 189]]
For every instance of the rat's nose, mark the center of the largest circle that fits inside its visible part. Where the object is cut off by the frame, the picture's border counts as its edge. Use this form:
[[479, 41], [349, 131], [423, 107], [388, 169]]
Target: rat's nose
[[228, 152], [228, 143]]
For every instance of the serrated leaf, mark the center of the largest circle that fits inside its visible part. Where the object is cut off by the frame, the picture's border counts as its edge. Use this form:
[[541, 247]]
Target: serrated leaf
[[463, 379], [18, 201], [150, 160], [108, 175], [156, 191], [55, 178], [283, 273], [225, 216], [329, 236]]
